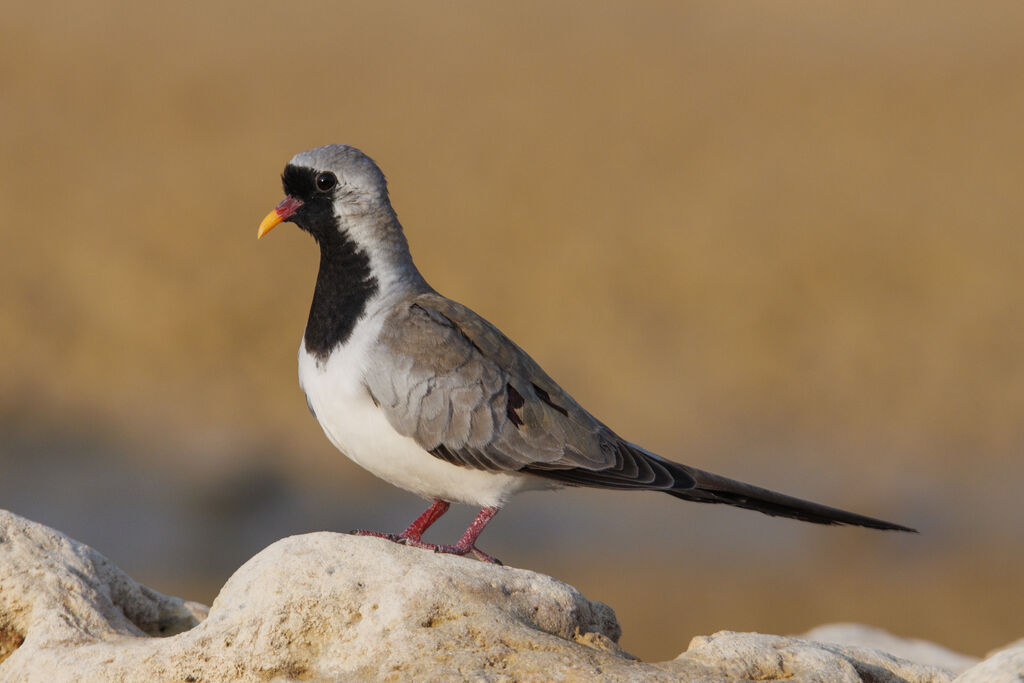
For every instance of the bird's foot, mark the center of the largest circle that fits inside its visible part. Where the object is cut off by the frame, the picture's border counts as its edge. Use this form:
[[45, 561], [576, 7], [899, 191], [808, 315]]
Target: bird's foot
[[414, 534], [478, 554], [457, 549], [376, 534]]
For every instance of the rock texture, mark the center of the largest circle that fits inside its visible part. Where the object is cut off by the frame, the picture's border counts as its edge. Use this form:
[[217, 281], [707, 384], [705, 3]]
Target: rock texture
[[868, 637], [1003, 665], [329, 606]]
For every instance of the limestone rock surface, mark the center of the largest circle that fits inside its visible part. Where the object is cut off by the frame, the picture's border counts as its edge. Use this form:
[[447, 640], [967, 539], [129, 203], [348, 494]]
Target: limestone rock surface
[[329, 606], [920, 651], [1005, 665]]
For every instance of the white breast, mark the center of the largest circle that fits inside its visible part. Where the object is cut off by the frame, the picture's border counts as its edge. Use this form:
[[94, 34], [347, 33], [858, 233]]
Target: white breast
[[358, 428]]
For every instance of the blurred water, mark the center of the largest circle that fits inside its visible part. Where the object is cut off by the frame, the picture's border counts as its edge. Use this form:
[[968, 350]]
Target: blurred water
[[156, 521]]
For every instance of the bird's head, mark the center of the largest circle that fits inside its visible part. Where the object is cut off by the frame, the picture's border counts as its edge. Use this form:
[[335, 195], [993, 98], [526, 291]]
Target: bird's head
[[325, 186]]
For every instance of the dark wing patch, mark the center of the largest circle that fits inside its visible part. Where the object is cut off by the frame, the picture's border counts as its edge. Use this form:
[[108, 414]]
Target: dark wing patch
[[514, 404], [544, 396], [443, 453]]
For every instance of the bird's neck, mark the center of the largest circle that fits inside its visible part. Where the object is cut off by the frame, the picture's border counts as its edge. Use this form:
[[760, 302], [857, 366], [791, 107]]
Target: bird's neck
[[344, 287], [353, 280]]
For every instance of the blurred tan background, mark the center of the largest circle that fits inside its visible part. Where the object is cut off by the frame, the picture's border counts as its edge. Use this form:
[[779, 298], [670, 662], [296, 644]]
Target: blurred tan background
[[777, 240]]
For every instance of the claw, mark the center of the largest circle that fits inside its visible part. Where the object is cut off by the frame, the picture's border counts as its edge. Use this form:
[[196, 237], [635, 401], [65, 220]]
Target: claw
[[466, 545], [374, 534], [457, 549], [463, 551], [484, 557]]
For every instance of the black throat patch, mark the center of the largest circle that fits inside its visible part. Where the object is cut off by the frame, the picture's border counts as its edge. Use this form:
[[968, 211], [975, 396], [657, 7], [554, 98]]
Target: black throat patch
[[345, 282]]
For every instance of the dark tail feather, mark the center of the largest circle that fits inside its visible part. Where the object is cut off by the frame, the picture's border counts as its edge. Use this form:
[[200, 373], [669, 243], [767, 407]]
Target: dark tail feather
[[712, 488], [635, 468]]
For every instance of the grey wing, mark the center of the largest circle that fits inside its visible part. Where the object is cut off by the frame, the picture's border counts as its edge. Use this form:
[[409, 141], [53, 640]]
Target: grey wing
[[467, 394], [450, 380]]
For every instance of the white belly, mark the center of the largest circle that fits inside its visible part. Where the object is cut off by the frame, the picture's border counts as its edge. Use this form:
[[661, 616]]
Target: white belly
[[359, 429]]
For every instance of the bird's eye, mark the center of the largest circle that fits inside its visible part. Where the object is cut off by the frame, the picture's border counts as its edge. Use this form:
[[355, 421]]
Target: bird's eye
[[325, 182]]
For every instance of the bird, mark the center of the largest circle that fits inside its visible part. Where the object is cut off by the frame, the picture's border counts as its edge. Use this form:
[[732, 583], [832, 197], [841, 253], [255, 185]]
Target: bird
[[432, 398]]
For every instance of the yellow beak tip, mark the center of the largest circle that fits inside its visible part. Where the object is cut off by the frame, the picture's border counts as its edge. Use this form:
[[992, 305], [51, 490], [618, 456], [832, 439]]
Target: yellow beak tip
[[269, 222]]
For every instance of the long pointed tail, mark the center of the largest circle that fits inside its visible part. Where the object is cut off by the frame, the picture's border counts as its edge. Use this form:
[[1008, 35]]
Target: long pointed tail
[[713, 488], [635, 468]]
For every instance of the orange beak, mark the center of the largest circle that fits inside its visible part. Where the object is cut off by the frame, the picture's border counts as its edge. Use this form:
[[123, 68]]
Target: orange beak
[[282, 212]]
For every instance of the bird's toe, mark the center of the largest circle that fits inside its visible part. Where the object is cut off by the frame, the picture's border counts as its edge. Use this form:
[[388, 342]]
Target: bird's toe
[[376, 534]]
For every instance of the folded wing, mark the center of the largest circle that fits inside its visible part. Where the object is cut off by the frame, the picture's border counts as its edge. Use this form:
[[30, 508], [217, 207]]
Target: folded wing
[[468, 395]]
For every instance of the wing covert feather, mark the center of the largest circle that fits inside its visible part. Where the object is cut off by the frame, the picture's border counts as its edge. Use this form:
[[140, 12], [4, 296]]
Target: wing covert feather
[[468, 394]]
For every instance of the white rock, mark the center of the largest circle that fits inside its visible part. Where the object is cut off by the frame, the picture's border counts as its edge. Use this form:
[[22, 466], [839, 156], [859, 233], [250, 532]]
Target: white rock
[[753, 656], [329, 606], [55, 591], [320, 606], [1005, 665], [920, 651]]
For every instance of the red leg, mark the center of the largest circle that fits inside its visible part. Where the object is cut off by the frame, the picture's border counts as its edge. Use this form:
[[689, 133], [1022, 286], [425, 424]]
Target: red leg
[[467, 544], [423, 522], [416, 529]]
